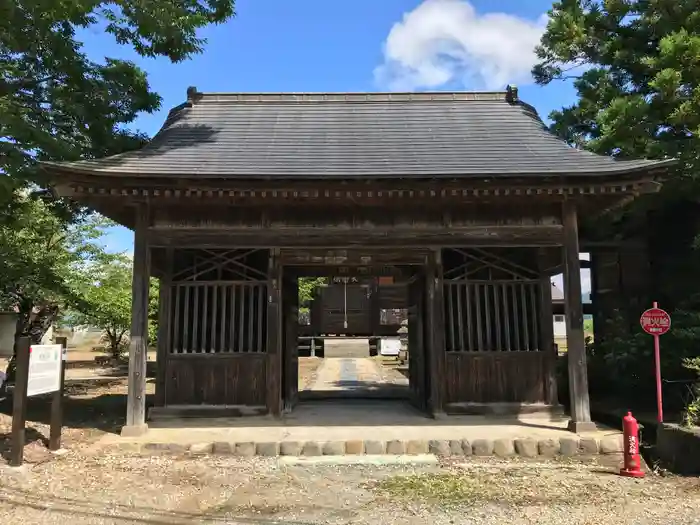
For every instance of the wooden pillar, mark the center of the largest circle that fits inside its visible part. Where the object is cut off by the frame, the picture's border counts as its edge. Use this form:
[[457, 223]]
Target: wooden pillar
[[374, 308], [274, 335], [290, 321], [164, 326], [578, 374], [435, 330], [138, 345], [546, 342]]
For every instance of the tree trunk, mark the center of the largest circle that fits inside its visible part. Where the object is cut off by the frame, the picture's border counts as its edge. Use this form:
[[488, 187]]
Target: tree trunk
[[31, 324]]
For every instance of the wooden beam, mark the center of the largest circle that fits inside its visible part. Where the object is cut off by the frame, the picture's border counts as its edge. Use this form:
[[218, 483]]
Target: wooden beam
[[330, 237], [435, 330], [547, 329], [576, 345], [138, 346], [274, 335]]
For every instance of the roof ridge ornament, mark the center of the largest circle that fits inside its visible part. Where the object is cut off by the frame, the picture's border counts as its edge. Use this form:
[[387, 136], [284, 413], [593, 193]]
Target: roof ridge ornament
[[512, 94], [192, 94]]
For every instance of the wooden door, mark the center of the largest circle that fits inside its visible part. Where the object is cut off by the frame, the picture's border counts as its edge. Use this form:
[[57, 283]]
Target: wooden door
[[290, 321], [417, 370]]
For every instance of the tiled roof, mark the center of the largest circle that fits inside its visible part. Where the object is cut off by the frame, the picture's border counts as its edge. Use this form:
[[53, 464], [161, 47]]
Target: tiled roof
[[345, 135]]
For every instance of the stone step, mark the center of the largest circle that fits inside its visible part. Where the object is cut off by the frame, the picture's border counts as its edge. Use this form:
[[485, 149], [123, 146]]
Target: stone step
[[505, 447]]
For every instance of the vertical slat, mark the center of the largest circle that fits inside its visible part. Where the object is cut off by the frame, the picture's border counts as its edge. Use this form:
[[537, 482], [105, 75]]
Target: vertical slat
[[506, 316], [535, 316], [260, 317], [468, 324], [224, 294], [526, 322], [251, 318], [177, 343], [487, 316], [195, 320], [205, 318], [516, 317], [497, 315], [186, 322], [213, 332], [461, 326], [477, 305], [451, 319], [232, 343], [241, 318]]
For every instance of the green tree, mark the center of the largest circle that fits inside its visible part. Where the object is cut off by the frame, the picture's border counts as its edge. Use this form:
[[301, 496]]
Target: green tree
[[56, 103], [636, 70], [307, 285], [40, 256], [635, 65], [106, 299]]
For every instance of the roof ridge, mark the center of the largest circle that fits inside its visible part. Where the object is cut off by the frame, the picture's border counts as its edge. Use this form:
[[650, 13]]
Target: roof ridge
[[197, 97]]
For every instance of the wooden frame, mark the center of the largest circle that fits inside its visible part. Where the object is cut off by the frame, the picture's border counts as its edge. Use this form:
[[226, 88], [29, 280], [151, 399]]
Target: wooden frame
[[357, 231]]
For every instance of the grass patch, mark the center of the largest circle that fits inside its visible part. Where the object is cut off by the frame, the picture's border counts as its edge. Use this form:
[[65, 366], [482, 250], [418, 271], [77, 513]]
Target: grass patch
[[516, 487]]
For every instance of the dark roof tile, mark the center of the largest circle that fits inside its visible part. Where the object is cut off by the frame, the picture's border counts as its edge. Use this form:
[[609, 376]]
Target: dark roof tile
[[353, 135]]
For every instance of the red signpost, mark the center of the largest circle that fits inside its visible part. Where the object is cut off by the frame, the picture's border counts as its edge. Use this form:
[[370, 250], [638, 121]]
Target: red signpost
[[656, 322]]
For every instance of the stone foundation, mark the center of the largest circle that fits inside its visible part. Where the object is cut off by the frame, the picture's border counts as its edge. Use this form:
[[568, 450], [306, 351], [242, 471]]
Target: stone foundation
[[679, 448], [524, 447]]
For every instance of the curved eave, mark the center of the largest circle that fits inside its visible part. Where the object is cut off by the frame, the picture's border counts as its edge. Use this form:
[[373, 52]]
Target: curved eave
[[626, 169]]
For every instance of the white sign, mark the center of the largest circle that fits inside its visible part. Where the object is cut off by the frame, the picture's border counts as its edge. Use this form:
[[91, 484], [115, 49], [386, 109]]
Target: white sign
[[44, 369], [389, 346]]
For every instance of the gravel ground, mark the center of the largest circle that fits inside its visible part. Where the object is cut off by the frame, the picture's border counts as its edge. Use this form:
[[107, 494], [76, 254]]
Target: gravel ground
[[82, 488]]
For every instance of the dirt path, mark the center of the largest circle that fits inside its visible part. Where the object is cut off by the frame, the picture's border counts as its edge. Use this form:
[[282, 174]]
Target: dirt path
[[356, 373], [81, 489]]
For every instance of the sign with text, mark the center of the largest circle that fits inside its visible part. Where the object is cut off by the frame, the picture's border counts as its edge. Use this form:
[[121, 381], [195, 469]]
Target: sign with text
[[655, 321], [44, 369]]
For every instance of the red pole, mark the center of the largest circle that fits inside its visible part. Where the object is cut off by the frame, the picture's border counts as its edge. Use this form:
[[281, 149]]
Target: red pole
[[657, 365]]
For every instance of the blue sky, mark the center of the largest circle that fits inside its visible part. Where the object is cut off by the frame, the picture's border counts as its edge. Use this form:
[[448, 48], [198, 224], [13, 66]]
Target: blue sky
[[363, 45]]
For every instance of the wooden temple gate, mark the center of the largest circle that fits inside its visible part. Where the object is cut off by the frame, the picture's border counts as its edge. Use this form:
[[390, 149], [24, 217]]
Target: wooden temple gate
[[239, 195]]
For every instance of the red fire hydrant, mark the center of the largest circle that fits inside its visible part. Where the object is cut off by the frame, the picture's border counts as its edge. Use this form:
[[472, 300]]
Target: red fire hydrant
[[630, 434]]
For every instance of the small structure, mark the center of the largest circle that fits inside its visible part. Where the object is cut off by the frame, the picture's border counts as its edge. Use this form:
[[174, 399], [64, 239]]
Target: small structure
[[466, 196]]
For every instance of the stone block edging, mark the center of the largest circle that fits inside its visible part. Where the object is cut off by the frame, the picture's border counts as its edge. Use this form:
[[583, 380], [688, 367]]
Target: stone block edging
[[679, 448], [501, 447]]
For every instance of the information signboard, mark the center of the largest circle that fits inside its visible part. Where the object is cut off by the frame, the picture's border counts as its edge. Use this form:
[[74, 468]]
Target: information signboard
[[44, 369]]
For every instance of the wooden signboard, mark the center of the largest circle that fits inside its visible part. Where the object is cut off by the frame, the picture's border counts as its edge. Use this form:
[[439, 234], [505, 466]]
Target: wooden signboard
[[40, 370]]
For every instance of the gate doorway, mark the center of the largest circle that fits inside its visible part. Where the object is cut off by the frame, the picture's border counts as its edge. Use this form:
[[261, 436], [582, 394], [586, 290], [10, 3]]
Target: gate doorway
[[358, 334]]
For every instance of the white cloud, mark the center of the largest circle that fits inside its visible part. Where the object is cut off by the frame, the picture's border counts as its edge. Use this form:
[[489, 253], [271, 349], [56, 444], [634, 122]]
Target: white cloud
[[447, 41]]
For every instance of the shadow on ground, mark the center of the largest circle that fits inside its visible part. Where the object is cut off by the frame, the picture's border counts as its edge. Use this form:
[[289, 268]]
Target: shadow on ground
[[105, 412], [121, 513]]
